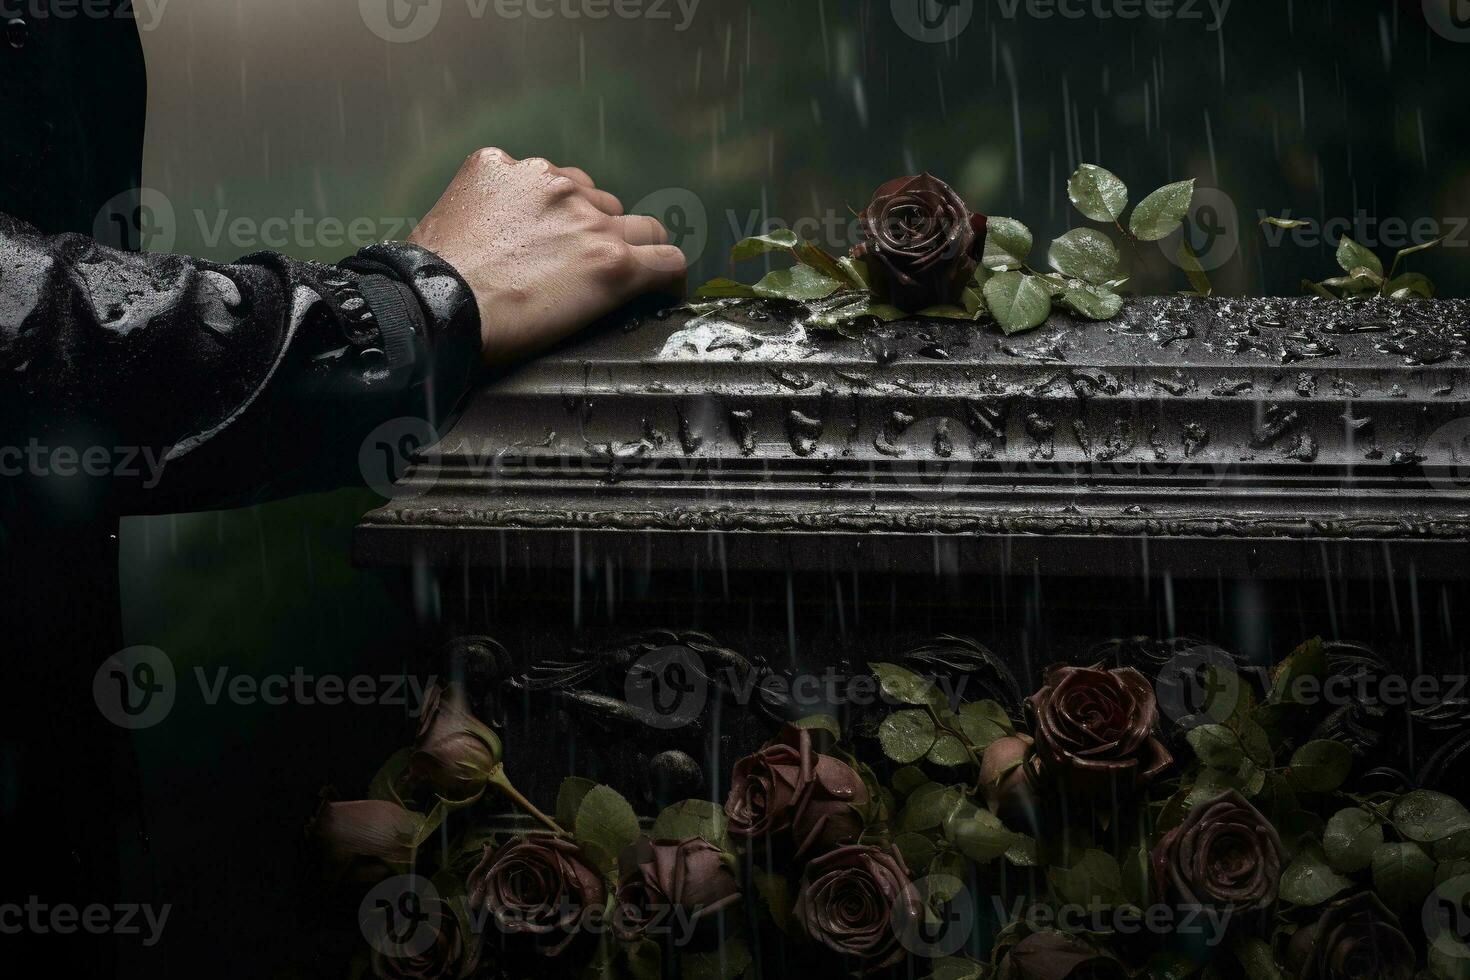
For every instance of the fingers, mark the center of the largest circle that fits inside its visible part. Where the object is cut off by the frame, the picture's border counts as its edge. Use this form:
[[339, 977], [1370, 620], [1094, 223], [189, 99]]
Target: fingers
[[639, 229], [660, 269], [576, 175], [603, 201]]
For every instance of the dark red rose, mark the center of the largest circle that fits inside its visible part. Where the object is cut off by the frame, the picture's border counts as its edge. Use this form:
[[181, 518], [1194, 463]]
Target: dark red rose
[[921, 244], [540, 886], [365, 840], [789, 786], [858, 901], [1095, 729], [1059, 956], [1009, 774], [669, 887], [433, 949], [1224, 855], [1353, 937], [455, 752]]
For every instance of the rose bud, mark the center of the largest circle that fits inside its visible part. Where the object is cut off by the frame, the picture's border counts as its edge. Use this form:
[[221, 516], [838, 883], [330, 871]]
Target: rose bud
[[1224, 855], [371, 838], [921, 244], [858, 901], [455, 753], [1059, 956], [1095, 730], [1353, 937], [1009, 774], [789, 786], [443, 955], [671, 887], [539, 886]]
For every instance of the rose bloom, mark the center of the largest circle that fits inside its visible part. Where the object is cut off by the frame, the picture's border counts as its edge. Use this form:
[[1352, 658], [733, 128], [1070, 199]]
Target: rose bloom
[[1353, 937], [541, 886], [668, 886], [365, 840], [1224, 855], [1094, 729], [921, 244], [858, 902], [455, 752], [447, 957], [1059, 956], [789, 786]]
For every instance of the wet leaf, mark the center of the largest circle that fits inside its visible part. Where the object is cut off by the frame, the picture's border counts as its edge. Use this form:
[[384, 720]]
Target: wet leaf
[[1007, 244], [1320, 766], [781, 240], [1351, 837], [1098, 193], [1402, 873], [1427, 816], [1351, 255], [1093, 302], [693, 818], [1216, 746], [1017, 301], [1410, 285], [1309, 880], [1255, 956], [1096, 877], [906, 736], [948, 751], [1286, 222], [569, 799], [721, 288], [1084, 253], [1193, 271], [797, 283], [1162, 213], [605, 823]]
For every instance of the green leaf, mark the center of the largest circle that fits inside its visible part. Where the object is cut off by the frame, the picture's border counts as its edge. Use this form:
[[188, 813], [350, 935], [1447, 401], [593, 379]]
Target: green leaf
[[1307, 660], [1017, 301], [1410, 285], [825, 723], [1309, 880], [927, 807], [606, 824], [1287, 223], [917, 850], [1254, 955], [1096, 877], [978, 834], [946, 313], [1093, 302], [1098, 193], [957, 968], [907, 779], [1351, 256], [693, 818], [979, 725], [1084, 253], [781, 240], [948, 751], [722, 288], [569, 799], [1351, 837], [1427, 816], [906, 736], [855, 308], [384, 785], [1316, 289], [797, 283], [1193, 271], [856, 271], [1162, 213], [903, 685], [645, 960], [1416, 249], [1024, 852], [1320, 766], [1007, 244], [818, 260], [1216, 746], [775, 892], [1402, 873]]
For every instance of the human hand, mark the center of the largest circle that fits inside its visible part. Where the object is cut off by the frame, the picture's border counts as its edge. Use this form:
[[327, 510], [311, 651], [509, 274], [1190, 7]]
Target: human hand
[[544, 250]]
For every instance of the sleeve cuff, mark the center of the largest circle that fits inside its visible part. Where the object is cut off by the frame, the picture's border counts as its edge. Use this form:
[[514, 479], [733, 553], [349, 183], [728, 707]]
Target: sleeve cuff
[[397, 311]]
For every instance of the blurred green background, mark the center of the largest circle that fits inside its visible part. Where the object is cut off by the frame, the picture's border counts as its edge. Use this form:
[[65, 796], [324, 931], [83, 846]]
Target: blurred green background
[[753, 112]]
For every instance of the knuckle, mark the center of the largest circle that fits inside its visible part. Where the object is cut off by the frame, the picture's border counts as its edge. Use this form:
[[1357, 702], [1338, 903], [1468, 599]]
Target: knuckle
[[610, 258], [562, 187], [488, 156], [538, 165]]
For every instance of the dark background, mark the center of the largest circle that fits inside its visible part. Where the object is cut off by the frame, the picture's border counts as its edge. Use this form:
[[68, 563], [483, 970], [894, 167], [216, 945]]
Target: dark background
[[761, 110]]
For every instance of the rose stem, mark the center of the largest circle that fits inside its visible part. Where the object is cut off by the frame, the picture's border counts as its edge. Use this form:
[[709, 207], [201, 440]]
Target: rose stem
[[502, 783]]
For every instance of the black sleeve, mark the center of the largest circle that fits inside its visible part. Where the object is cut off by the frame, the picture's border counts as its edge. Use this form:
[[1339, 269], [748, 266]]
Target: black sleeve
[[150, 383]]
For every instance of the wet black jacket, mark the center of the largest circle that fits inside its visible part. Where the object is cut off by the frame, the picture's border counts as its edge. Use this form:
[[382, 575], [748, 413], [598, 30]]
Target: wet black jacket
[[143, 383]]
